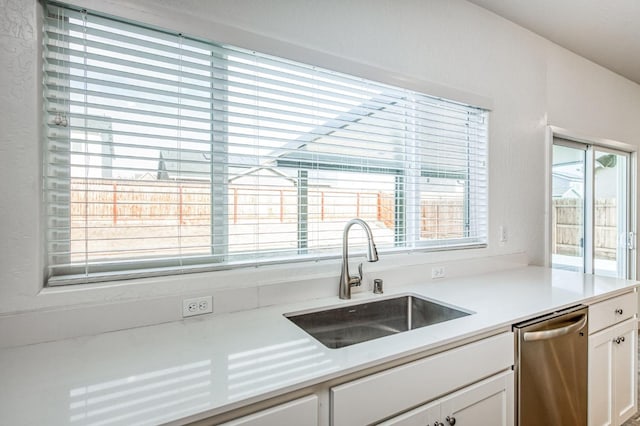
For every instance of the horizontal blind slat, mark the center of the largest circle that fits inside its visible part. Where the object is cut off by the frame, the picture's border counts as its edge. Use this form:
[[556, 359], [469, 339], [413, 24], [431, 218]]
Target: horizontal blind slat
[[374, 103], [349, 116]]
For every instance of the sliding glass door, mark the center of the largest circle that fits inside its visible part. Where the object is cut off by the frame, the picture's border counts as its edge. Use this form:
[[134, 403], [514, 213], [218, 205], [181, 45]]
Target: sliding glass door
[[610, 204], [568, 182], [590, 209]]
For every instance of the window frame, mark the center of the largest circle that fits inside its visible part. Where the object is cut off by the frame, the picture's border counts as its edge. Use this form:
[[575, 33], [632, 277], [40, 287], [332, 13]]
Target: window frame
[[404, 228]]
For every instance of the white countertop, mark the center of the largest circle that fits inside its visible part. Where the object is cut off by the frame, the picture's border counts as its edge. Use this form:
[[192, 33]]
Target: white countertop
[[208, 365]]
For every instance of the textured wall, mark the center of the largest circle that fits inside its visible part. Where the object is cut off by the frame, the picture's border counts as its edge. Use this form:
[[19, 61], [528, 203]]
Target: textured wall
[[19, 150]]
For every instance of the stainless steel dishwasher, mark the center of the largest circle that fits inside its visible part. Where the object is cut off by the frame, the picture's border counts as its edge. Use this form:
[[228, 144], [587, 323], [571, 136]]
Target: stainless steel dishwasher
[[551, 369]]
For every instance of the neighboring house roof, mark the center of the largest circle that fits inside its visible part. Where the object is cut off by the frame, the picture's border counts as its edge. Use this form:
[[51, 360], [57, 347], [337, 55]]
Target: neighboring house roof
[[196, 165], [560, 184], [568, 177], [254, 170], [187, 165], [302, 152]]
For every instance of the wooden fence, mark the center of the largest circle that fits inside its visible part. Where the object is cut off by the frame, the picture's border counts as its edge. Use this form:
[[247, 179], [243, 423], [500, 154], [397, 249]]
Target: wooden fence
[[567, 217], [126, 209], [122, 201], [440, 218], [118, 201]]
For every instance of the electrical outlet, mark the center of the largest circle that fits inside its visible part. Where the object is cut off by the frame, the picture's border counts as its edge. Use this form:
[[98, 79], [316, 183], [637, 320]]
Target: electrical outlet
[[437, 272], [197, 306], [503, 234]]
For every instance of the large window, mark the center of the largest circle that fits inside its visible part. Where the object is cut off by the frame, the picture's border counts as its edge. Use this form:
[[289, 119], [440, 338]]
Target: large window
[[166, 154]]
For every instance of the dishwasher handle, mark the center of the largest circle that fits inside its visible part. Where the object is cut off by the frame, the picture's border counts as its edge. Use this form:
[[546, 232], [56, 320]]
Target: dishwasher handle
[[532, 336]]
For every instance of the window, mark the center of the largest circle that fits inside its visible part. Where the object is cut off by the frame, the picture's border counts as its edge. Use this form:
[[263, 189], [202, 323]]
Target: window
[[165, 154]]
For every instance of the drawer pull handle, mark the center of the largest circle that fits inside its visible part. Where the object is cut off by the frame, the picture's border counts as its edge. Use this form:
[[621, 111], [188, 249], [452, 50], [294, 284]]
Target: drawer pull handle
[[438, 424], [451, 420], [619, 311]]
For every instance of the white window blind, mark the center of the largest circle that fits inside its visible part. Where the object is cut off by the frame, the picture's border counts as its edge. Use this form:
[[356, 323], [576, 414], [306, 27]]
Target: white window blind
[[165, 154]]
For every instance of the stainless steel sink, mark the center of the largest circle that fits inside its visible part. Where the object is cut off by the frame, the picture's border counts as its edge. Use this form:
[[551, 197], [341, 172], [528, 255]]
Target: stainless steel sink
[[340, 327]]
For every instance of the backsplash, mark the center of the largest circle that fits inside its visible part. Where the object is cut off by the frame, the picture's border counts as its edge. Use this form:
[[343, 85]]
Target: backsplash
[[276, 287]]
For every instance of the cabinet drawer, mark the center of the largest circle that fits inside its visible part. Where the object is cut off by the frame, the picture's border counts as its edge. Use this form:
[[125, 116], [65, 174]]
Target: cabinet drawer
[[612, 311], [303, 411], [381, 395]]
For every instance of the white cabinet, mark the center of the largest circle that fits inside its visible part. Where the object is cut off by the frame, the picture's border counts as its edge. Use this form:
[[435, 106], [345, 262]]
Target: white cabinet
[[613, 366], [303, 412], [489, 402], [382, 395], [612, 374]]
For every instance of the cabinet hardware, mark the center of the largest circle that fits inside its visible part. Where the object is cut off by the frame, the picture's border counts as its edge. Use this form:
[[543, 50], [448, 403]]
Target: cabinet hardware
[[619, 340], [451, 420], [619, 311]]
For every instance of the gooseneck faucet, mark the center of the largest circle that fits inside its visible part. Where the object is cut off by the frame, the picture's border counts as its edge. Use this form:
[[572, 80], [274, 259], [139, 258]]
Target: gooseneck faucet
[[346, 280]]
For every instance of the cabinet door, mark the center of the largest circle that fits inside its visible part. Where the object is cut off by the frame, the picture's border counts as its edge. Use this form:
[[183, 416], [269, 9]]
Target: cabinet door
[[302, 412], [489, 402], [613, 374], [601, 378], [625, 371]]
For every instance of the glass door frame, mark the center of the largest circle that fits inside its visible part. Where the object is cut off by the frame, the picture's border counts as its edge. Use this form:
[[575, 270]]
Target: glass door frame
[[590, 147], [623, 259]]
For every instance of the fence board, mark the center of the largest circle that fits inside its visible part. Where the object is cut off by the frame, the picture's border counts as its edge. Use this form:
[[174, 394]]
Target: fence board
[[566, 231]]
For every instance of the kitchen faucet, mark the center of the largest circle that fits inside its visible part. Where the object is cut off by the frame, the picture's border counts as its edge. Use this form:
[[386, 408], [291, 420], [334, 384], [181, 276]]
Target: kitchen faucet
[[347, 281]]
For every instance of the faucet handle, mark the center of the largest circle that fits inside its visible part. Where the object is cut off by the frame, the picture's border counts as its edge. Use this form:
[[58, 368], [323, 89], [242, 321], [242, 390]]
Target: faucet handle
[[359, 277]]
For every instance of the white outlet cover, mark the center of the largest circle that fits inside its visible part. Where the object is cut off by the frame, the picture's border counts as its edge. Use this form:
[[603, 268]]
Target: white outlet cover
[[437, 272], [197, 306], [503, 234]]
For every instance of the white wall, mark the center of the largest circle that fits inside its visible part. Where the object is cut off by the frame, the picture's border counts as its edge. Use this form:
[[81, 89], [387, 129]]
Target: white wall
[[20, 240], [444, 47], [590, 100]]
